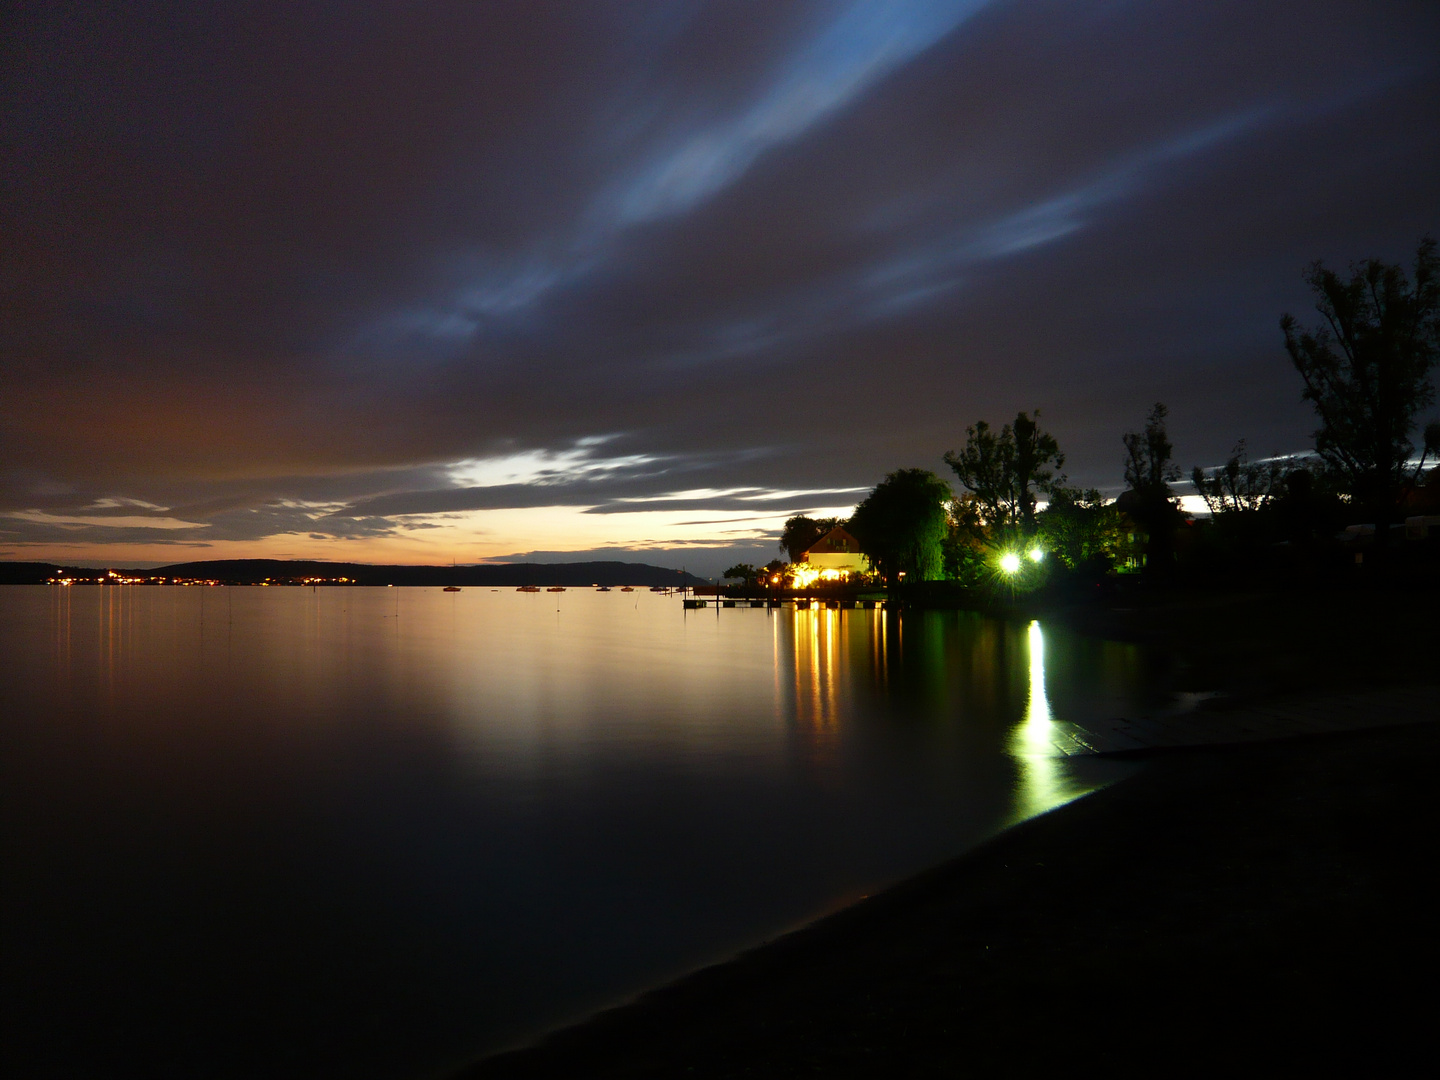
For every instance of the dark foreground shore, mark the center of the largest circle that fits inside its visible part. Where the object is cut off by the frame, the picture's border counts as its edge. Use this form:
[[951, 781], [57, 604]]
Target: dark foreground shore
[[1224, 911]]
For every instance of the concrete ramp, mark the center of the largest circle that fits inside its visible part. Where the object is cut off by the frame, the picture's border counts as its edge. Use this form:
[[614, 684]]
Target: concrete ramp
[[1293, 718]]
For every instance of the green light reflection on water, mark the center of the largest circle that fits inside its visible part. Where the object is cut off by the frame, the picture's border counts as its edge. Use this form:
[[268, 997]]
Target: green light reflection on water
[[1044, 781]]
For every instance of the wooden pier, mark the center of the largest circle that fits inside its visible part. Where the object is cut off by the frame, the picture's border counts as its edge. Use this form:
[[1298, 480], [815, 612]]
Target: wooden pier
[[799, 603]]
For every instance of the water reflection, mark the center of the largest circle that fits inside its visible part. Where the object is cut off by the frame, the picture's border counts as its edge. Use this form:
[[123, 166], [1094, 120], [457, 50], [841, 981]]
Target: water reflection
[[816, 678], [472, 813], [1044, 781], [957, 674]]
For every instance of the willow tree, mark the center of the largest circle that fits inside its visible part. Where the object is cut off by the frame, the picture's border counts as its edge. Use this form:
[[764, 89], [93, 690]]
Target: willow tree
[[901, 525]]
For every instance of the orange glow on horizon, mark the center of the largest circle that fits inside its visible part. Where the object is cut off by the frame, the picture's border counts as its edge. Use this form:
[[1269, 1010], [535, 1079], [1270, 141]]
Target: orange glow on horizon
[[472, 537]]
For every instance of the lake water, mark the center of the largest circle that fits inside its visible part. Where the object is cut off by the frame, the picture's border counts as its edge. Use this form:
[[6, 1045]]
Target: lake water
[[271, 832]]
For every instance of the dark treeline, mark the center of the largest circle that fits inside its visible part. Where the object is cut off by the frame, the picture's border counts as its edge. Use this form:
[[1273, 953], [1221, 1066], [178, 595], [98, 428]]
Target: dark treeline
[[1365, 367], [275, 571]]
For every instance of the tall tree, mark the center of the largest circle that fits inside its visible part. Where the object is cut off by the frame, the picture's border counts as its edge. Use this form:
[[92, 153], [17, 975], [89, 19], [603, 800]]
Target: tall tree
[[1037, 456], [901, 524], [985, 466], [1366, 368], [1004, 471], [1149, 471]]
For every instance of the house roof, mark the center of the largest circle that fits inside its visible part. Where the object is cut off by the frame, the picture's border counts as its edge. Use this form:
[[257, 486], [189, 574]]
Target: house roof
[[836, 541]]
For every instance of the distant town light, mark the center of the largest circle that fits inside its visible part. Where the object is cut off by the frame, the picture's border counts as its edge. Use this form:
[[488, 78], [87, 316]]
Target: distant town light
[[1010, 562], [1036, 554]]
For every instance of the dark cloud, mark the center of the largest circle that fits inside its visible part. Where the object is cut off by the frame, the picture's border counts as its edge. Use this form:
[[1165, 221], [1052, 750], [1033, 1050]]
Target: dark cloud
[[284, 268], [252, 524]]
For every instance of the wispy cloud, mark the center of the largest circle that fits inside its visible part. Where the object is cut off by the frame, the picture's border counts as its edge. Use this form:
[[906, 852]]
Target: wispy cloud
[[870, 39], [829, 70], [940, 265], [580, 461], [40, 517]]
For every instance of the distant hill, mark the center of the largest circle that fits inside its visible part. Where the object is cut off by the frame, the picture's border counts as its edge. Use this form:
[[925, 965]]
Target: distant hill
[[496, 575], [26, 573]]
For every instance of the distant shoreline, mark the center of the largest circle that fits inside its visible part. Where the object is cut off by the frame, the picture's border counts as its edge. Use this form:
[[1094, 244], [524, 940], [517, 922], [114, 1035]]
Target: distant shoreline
[[300, 572]]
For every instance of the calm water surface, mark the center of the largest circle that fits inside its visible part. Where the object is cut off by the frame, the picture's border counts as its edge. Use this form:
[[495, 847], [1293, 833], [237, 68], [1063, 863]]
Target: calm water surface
[[376, 832]]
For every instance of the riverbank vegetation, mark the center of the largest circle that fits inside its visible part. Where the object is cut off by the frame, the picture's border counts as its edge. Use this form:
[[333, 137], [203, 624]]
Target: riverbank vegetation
[[1362, 504]]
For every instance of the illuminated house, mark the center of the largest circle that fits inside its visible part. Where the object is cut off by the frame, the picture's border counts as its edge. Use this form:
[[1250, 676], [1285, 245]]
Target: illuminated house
[[834, 557]]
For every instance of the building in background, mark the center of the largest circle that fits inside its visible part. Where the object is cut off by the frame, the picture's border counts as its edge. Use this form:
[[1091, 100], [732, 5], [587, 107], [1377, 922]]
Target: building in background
[[834, 557]]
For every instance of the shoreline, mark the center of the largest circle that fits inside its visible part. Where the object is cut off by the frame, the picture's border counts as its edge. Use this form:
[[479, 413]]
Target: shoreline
[[1225, 904], [1235, 903]]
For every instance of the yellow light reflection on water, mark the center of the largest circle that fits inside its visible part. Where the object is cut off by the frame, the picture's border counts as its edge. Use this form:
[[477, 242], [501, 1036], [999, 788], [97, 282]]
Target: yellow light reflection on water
[[816, 667]]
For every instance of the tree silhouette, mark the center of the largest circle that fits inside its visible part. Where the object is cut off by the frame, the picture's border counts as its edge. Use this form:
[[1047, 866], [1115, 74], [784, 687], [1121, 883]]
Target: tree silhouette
[[901, 524], [1149, 470], [1081, 529], [1240, 484], [985, 467], [1005, 470], [1366, 368], [1036, 452]]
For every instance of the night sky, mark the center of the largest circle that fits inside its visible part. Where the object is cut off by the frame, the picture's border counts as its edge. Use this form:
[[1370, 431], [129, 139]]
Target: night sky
[[414, 283]]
